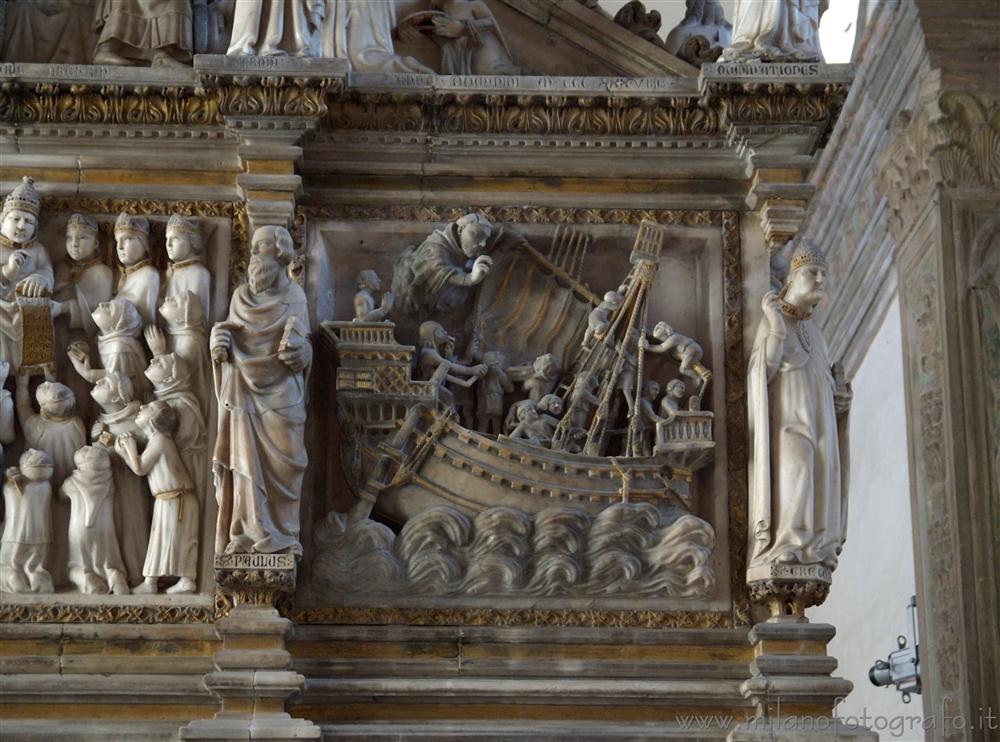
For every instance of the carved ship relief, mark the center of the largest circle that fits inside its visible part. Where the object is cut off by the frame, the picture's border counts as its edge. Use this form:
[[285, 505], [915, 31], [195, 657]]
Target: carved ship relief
[[413, 457], [410, 451]]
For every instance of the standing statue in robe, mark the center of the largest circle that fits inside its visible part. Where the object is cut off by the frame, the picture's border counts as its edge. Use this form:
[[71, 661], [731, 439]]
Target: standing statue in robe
[[360, 31], [798, 407], [269, 28], [114, 396], [261, 352], [83, 282], [133, 32], [95, 563], [776, 31]]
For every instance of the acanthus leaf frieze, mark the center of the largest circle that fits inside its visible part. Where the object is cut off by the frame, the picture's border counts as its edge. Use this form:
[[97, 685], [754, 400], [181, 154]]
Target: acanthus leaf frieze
[[952, 140]]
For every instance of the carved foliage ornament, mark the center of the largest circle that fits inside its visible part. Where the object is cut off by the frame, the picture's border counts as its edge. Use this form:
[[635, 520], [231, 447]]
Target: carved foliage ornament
[[954, 140], [218, 96], [269, 96]]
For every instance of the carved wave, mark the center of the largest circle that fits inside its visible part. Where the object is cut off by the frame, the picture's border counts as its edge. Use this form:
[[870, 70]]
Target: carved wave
[[628, 549]]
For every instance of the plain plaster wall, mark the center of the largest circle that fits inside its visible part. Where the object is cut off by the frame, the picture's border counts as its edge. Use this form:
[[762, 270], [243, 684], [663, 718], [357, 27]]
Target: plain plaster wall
[[875, 578]]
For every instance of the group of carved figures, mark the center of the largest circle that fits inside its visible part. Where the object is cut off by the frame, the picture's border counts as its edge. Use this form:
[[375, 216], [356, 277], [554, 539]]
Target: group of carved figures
[[436, 276], [765, 30], [163, 32], [363, 32], [136, 490]]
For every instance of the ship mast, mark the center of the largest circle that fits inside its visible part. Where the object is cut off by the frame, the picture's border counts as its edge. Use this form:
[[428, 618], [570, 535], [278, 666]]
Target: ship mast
[[606, 359]]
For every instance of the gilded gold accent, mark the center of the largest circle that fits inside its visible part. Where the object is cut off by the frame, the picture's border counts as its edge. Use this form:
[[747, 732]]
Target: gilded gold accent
[[254, 96], [130, 614], [517, 214], [736, 414], [55, 103], [511, 617]]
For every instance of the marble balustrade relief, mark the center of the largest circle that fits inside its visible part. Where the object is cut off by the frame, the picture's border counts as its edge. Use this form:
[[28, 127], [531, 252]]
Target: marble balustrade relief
[[330, 316]]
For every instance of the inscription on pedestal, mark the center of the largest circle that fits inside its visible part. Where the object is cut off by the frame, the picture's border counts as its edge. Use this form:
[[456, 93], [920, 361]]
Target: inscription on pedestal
[[815, 572], [254, 561]]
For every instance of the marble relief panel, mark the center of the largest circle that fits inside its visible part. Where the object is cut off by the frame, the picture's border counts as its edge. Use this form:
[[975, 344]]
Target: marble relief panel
[[428, 508]]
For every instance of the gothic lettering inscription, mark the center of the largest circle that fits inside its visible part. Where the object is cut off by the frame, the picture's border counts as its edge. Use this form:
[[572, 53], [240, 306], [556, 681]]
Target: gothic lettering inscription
[[254, 561], [762, 70]]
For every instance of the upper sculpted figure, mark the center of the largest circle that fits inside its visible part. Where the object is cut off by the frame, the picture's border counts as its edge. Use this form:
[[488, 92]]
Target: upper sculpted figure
[[186, 272], [139, 281], [360, 31], [435, 277], [702, 34], [82, 280], [472, 41], [365, 310], [268, 28], [24, 264], [777, 31], [261, 352], [798, 409], [144, 31]]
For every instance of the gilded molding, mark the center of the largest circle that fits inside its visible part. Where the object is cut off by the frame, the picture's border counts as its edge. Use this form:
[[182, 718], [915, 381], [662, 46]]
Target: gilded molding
[[723, 105], [534, 115], [68, 103], [286, 96], [517, 214], [778, 103], [114, 614], [511, 617], [219, 98], [736, 414]]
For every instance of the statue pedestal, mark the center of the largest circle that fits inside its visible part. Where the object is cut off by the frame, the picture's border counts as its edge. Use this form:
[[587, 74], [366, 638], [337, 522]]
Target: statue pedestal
[[791, 687], [788, 589], [253, 678]]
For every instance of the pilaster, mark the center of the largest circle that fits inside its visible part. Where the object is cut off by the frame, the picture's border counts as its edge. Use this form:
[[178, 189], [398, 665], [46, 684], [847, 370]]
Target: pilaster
[[253, 681], [942, 184], [791, 688], [269, 103]]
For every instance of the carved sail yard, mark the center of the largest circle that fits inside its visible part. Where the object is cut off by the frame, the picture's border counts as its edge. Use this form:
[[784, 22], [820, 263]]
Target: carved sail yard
[[408, 451]]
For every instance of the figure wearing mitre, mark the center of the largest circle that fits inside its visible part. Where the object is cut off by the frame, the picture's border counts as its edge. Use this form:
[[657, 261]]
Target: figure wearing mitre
[[798, 404], [25, 267]]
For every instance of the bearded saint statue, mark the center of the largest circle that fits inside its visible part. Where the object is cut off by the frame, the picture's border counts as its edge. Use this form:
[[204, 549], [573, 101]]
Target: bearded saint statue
[[260, 356]]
